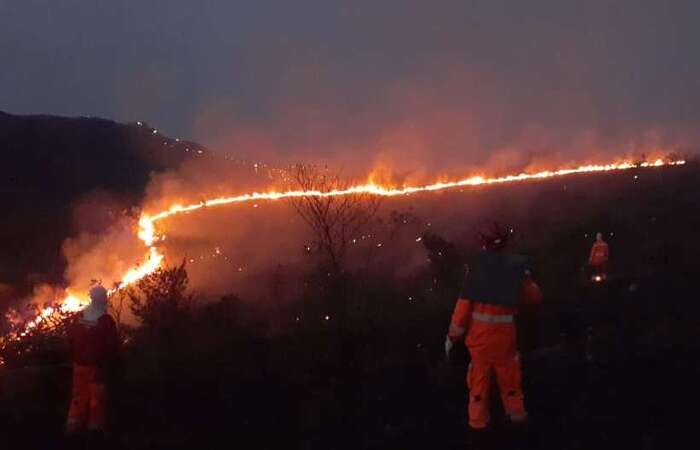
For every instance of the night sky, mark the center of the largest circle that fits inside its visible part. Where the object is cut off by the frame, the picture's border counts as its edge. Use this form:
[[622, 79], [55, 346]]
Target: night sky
[[465, 81]]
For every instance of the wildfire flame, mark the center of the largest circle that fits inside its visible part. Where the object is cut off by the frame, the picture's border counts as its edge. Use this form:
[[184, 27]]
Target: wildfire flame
[[153, 259], [147, 222]]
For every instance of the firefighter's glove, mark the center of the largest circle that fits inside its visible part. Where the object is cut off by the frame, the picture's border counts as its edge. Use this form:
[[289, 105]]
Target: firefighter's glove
[[448, 347]]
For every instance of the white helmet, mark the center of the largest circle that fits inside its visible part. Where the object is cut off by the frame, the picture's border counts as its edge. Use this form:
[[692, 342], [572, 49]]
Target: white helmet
[[97, 307], [98, 295]]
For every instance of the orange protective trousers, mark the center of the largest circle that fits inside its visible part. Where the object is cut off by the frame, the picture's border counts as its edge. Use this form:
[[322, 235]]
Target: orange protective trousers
[[508, 378], [494, 353], [87, 406]]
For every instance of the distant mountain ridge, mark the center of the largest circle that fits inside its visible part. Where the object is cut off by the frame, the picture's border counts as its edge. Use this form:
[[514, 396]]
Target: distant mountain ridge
[[50, 162]]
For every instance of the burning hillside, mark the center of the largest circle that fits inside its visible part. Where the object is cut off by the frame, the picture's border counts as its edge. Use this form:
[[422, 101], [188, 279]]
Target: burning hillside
[[153, 240]]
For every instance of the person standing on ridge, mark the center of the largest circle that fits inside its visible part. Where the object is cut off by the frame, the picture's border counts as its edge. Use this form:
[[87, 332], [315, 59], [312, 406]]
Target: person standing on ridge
[[485, 317]]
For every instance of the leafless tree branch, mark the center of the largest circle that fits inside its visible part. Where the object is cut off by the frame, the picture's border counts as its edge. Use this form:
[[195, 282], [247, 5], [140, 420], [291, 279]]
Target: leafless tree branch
[[333, 220]]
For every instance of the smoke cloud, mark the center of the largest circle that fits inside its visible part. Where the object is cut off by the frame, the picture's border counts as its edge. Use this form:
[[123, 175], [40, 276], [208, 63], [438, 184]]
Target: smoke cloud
[[412, 91], [420, 87], [462, 85]]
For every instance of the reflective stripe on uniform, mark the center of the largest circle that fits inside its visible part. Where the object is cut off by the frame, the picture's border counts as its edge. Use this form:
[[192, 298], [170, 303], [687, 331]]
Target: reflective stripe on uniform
[[491, 318]]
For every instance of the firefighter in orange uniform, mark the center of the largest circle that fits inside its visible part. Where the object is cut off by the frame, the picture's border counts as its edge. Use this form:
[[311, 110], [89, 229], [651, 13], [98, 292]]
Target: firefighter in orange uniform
[[494, 289], [94, 343], [600, 253]]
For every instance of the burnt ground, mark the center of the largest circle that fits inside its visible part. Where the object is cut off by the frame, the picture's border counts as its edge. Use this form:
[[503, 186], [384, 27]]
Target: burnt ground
[[606, 366], [623, 375]]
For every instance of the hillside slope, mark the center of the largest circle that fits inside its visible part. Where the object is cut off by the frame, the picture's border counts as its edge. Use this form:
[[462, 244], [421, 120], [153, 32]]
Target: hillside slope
[[49, 163]]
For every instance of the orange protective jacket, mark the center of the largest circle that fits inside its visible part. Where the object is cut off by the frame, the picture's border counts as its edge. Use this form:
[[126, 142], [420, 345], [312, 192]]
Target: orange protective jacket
[[600, 253], [490, 329]]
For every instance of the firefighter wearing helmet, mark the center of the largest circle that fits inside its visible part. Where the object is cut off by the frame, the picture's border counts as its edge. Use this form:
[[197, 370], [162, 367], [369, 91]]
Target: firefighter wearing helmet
[[94, 345], [484, 317]]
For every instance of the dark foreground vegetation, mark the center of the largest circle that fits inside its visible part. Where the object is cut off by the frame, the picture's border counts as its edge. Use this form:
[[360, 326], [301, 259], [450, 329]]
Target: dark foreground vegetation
[[607, 366]]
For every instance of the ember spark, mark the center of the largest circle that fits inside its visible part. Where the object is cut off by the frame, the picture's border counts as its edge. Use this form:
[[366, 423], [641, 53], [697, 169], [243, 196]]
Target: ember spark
[[153, 258]]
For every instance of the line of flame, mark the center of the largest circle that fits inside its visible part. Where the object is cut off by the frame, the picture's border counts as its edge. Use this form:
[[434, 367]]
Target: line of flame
[[153, 258], [147, 222]]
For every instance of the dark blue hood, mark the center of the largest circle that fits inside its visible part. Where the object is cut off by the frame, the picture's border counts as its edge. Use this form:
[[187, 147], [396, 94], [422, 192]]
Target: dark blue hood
[[495, 278]]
